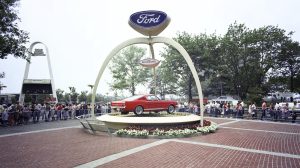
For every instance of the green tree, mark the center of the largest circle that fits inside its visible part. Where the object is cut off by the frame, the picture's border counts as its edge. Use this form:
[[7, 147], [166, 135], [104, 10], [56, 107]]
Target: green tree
[[204, 52], [73, 95], [165, 82], [177, 67], [288, 63], [126, 71], [82, 97], [248, 55], [237, 63], [60, 95], [98, 98], [12, 39], [233, 62]]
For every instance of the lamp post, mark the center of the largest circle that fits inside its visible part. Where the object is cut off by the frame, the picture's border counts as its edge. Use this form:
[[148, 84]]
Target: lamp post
[[91, 86], [238, 89], [1, 87], [221, 88], [221, 84]]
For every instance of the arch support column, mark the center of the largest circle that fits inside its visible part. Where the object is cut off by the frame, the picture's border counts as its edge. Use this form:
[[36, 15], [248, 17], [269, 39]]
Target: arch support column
[[152, 40]]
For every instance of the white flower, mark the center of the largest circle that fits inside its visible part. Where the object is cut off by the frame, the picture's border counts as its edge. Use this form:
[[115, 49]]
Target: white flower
[[157, 132]]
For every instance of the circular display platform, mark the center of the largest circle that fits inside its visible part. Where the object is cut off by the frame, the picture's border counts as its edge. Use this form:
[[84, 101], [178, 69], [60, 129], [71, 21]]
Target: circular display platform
[[115, 122]]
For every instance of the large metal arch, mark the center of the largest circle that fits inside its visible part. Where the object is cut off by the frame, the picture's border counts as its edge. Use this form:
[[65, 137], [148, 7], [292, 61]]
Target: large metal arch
[[21, 99], [144, 40]]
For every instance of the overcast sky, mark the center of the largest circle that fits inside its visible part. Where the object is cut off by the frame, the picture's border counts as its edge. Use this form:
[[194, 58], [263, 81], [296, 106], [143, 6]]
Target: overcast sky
[[81, 33]]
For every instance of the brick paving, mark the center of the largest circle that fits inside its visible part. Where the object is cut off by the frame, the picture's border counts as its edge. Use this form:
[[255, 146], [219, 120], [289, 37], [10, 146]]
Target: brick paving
[[61, 148], [179, 155], [270, 126], [72, 147], [253, 140]]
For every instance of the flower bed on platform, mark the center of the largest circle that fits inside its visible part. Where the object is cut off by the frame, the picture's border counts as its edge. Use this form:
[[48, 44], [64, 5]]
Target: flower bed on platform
[[168, 132]]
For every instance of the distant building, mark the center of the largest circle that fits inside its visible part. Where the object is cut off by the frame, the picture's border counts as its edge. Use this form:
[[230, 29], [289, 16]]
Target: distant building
[[282, 97], [9, 98]]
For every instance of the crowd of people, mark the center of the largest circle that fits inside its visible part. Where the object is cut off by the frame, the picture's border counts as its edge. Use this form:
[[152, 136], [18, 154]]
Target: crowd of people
[[225, 109], [188, 107], [273, 111], [276, 111], [18, 114]]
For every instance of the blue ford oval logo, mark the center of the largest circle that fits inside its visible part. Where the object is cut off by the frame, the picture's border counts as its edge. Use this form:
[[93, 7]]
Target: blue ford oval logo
[[149, 23]]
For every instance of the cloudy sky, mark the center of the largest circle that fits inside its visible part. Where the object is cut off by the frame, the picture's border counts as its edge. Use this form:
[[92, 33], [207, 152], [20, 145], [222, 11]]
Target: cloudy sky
[[81, 33]]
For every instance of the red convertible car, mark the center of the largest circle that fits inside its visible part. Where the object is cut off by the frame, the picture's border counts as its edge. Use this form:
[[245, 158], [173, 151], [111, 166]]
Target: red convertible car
[[140, 103]]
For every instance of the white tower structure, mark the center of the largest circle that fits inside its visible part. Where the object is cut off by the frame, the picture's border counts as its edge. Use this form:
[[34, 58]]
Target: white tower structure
[[37, 86]]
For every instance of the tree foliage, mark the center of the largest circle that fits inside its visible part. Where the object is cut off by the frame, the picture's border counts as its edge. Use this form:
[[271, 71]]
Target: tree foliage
[[243, 62], [126, 71], [288, 63], [12, 39], [203, 50], [82, 97], [166, 83]]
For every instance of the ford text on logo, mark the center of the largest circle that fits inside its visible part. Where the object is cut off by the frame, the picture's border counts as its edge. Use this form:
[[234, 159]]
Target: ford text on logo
[[149, 62], [149, 23]]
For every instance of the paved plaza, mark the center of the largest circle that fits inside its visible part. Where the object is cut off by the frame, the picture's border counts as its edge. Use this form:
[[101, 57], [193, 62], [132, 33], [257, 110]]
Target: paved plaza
[[237, 143]]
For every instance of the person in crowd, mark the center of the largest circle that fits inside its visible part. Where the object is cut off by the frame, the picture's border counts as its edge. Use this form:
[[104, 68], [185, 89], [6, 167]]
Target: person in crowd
[[5, 116], [1, 112], [272, 111], [214, 109], [37, 113], [70, 111], [26, 114], [285, 110], [33, 114], [109, 107], [186, 106], [89, 108], [191, 106], [239, 109], [294, 114], [196, 109], [251, 110], [179, 107], [78, 110], [47, 112], [74, 108], [19, 114], [11, 114], [98, 109], [52, 112], [263, 110], [221, 107], [65, 111], [208, 108], [43, 111], [254, 113], [227, 110], [277, 112], [58, 110], [85, 109]]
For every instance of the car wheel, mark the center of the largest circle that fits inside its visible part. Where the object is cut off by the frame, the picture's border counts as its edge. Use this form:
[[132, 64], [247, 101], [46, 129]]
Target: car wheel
[[138, 110], [171, 109]]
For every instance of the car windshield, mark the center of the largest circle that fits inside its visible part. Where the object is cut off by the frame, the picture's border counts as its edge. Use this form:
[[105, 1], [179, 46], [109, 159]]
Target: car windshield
[[152, 97], [133, 97]]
